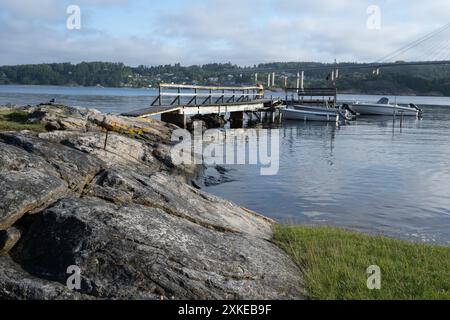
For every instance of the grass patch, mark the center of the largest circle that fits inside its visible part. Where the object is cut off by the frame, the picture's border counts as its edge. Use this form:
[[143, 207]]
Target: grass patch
[[334, 262], [17, 121]]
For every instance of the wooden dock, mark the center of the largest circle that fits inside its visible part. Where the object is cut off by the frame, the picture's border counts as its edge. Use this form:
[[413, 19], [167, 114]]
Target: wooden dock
[[175, 102], [245, 106]]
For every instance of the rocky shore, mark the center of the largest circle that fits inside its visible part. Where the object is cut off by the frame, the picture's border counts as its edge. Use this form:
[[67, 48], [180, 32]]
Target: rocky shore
[[100, 192]]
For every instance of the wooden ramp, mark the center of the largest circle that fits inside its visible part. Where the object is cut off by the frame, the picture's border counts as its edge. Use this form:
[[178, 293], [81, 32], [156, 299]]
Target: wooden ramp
[[216, 100], [151, 111], [255, 105]]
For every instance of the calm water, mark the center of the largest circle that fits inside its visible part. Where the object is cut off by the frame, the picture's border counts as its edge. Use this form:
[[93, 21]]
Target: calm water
[[114, 100], [365, 176], [368, 176]]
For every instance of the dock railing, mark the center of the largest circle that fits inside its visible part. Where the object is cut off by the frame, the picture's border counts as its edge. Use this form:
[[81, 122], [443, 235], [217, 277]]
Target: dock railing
[[205, 95], [311, 95]]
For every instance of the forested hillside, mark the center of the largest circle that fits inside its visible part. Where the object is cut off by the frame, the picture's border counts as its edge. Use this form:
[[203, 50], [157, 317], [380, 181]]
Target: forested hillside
[[420, 80]]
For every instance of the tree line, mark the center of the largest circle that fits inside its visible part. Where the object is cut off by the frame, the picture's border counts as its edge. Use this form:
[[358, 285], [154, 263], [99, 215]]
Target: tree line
[[427, 79]]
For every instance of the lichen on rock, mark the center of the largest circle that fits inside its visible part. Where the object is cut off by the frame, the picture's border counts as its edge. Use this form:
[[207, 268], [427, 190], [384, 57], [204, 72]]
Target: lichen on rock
[[100, 192]]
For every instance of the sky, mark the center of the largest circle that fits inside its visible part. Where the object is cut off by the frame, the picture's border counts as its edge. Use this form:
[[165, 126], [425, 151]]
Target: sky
[[243, 32]]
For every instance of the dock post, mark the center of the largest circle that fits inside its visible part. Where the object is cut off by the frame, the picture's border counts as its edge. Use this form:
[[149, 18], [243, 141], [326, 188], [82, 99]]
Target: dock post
[[302, 81], [178, 119], [237, 119], [159, 94], [401, 120]]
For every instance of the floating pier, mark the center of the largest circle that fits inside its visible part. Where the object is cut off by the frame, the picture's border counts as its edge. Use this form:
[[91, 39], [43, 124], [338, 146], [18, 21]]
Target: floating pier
[[312, 96], [175, 102]]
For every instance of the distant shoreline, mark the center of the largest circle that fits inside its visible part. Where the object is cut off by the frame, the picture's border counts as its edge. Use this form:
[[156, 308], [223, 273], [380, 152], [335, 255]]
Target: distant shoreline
[[278, 90], [380, 93], [73, 86]]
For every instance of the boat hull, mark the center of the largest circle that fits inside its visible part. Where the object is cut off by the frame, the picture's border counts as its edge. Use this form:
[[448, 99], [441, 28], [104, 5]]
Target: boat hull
[[383, 110], [310, 115]]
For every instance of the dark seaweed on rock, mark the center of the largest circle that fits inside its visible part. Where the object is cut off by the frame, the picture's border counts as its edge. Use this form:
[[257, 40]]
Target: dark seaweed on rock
[[126, 216]]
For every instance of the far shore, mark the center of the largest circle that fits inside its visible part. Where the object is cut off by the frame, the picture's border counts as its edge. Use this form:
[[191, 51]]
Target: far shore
[[269, 90]]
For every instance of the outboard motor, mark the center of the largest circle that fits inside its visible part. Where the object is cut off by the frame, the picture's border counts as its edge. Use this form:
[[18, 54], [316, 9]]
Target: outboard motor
[[346, 113], [412, 105], [346, 107]]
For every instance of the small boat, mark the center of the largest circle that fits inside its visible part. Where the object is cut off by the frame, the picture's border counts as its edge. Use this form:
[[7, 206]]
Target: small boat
[[384, 108], [315, 113]]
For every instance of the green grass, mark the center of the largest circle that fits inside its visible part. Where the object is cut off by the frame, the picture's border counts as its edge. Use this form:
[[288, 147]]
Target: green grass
[[17, 121], [334, 263]]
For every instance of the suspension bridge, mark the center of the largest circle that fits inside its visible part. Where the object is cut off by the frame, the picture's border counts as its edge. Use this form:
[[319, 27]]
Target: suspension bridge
[[431, 49], [175, 102]]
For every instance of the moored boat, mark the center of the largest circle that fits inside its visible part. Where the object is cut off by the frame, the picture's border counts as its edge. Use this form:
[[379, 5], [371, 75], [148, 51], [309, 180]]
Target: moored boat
[[314, 113], [384, 108]]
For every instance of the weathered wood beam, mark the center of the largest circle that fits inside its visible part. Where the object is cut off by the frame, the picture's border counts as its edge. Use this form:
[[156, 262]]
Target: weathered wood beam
[[185, 86]]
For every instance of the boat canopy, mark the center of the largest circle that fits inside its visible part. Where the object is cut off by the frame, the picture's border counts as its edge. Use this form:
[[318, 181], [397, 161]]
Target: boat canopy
[[383, 100]]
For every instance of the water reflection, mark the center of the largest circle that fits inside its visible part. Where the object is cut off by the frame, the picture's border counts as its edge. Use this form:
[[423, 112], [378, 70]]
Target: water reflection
[[370, 175]]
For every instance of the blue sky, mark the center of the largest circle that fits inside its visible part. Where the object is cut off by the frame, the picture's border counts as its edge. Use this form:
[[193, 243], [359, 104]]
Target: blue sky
[[245, 32]]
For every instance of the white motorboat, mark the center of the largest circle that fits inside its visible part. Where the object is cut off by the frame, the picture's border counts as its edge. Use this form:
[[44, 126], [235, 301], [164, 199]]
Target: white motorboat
[[384, 108], [314, 113]]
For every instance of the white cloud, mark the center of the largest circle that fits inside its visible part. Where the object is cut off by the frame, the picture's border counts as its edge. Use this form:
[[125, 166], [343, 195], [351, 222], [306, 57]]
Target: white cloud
[[243, 32]]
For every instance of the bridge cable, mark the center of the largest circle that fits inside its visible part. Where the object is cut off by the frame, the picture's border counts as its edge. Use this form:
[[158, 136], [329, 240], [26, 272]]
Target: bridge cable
[[415, 44]]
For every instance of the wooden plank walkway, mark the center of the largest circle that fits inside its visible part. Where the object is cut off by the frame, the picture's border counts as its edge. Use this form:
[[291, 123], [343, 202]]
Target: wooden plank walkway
[[194, 109], [151, 111]]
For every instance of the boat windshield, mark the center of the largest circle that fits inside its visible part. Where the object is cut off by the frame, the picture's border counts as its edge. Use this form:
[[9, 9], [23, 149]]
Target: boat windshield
[[383, 101]]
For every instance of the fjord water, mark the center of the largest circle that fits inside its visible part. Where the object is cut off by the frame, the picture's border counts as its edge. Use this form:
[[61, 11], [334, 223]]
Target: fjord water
[[368, 175], [113, 100]]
